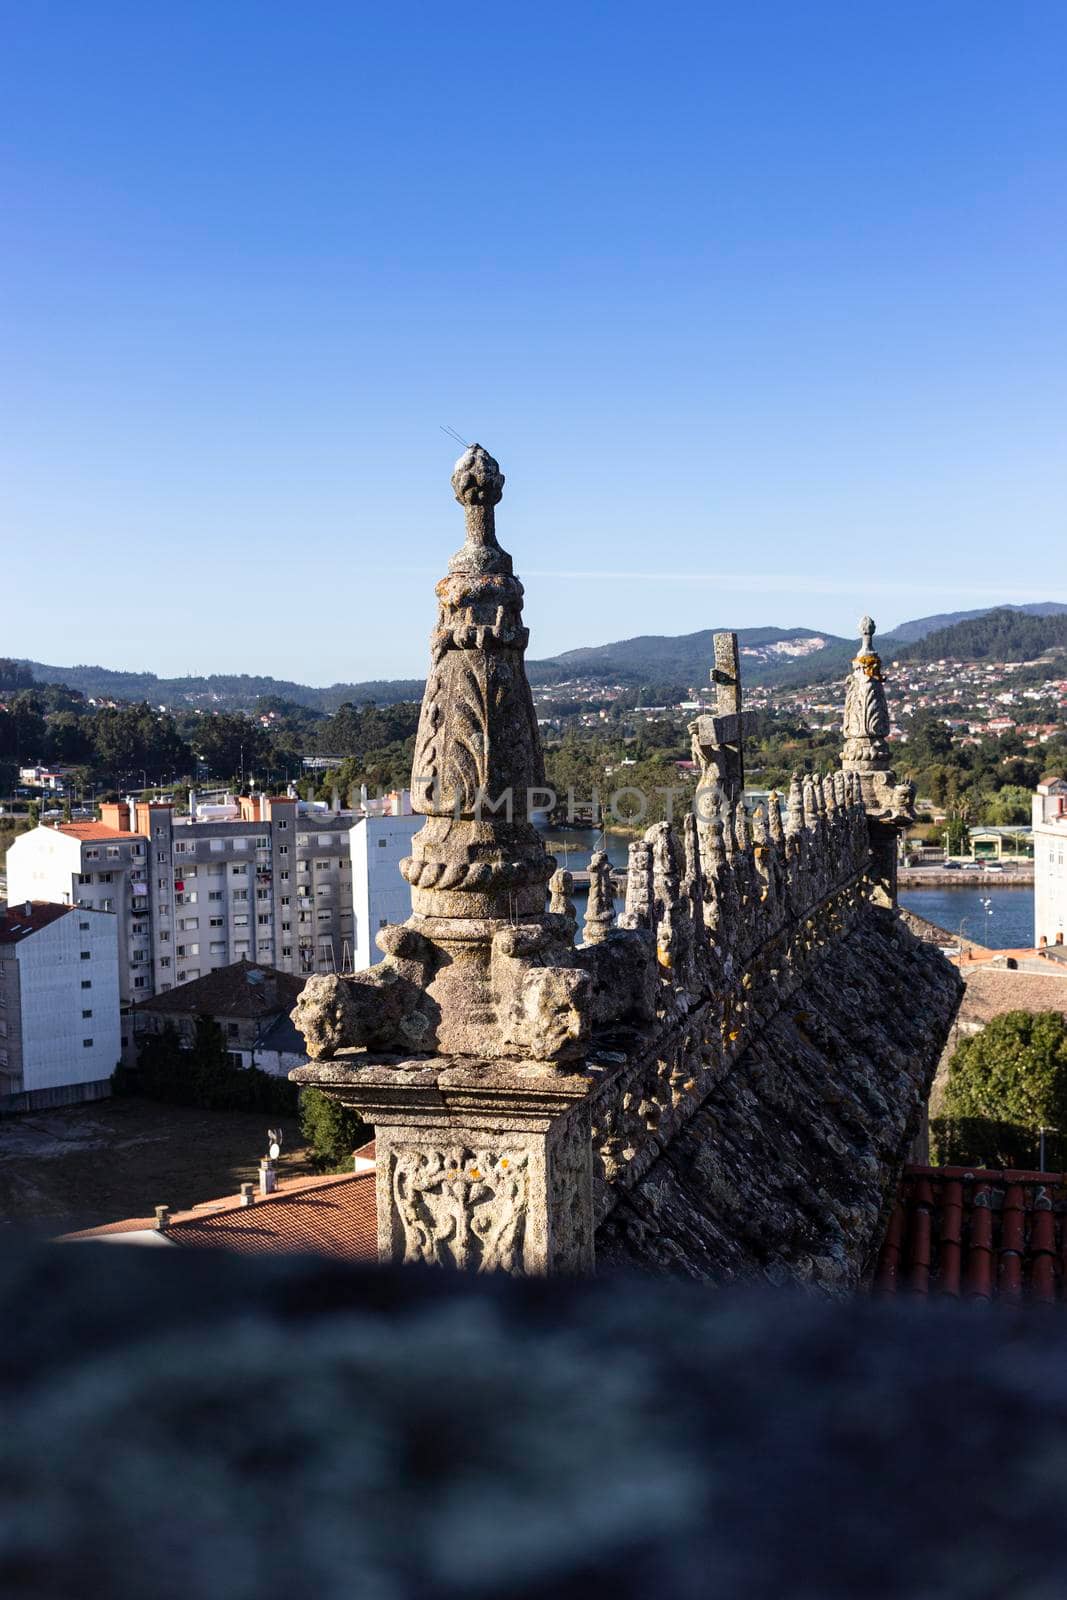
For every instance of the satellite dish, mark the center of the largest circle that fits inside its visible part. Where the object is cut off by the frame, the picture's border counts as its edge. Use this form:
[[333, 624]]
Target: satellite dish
[[275, 1151], [275, 1137]]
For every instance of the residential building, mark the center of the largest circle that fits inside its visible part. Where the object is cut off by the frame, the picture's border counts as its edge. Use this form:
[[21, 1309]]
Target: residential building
[[1050, 870], [246, 999], [59, 1005], [267, 879], [379, 893], [100, 866]]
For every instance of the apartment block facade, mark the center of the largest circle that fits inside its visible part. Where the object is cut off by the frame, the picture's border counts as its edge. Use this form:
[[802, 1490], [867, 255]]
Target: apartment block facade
[[264, 878], [59, 1004], [1050, 868]]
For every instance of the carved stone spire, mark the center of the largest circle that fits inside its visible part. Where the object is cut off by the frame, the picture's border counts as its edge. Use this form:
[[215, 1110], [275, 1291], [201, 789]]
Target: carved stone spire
[[866, 724], [889, 805]]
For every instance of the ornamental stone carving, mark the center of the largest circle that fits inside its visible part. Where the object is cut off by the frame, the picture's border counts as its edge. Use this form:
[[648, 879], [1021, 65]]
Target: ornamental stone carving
[[461, 1207]]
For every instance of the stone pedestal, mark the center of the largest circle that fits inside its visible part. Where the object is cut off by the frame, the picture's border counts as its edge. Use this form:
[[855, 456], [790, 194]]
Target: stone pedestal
[[484, 1166]]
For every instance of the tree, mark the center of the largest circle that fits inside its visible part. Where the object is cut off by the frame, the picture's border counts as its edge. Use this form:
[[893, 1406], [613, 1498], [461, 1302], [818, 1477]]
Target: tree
[[332, 1131], [231, 745], [1012, 1074]]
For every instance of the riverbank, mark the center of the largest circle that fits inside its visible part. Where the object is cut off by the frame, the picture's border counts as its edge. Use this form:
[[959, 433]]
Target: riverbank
[[965, 877]]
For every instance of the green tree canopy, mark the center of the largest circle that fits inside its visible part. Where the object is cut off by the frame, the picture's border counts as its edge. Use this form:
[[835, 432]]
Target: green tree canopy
[[1015, 1070]]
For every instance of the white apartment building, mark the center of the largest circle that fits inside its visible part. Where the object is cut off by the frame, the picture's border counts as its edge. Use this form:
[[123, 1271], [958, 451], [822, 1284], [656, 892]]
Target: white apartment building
[[59, 1005], [261, 877], [1050, 871], [379, 893]]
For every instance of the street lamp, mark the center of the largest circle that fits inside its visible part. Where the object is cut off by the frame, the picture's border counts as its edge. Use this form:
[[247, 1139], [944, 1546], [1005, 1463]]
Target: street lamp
[[963, 924]]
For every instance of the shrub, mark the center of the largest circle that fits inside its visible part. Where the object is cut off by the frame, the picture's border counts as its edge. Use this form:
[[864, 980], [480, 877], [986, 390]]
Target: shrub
[[331, 1130]]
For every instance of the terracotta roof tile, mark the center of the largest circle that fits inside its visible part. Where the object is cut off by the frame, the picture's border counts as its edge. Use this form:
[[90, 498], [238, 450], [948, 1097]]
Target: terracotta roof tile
[[978, 1234], [332, 1216], [243, 989], [94, 830]]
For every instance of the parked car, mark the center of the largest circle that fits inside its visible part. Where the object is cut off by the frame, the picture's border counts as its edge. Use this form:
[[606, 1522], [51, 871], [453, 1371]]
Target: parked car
[[971, 866], [951, 866], [994, 866]]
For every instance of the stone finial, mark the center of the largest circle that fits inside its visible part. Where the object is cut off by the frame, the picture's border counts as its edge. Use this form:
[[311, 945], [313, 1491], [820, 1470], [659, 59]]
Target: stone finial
[[560, 892], [774, 818], [742, 829], [867, 631], [760, 836], [795, 807], [479, 484], [638, 911], [600, 907]]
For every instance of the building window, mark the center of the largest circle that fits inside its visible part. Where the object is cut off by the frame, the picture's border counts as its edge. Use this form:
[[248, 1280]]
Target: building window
[[234, 1058], [283, 850], [283, 824], [262, 842], [113, 852], [285, 899], [239, 871], [164, 936], [382, 843], [92, 855], [87, 983], [87, 1044], [83, 927], [140, 983], [164, 961], [87, 1014], [263, 919], [85, 877], [161, 855], [286, 927], [217, 922], [87, 955]]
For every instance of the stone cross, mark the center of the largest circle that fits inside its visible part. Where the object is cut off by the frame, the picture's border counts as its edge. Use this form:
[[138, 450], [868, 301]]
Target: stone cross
[[718, 738]]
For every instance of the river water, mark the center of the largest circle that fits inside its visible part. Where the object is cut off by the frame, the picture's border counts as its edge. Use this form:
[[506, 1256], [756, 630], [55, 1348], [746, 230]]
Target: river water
[[1007, 923]]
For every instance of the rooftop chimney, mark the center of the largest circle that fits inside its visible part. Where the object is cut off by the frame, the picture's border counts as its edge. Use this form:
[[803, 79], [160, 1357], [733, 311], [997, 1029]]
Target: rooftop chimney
[[268, 1176], [162, 1218], [248, 1194]]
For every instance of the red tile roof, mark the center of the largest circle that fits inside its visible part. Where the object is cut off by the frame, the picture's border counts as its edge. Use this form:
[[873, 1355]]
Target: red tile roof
[[977, 1234], [333, 1216], [94, 830], [243, 989], [17, 923]]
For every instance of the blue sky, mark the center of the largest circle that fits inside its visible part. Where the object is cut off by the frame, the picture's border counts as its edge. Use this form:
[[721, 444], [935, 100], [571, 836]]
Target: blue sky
[[760, 306]]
